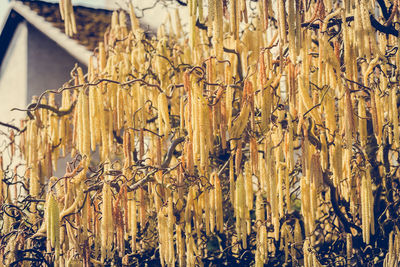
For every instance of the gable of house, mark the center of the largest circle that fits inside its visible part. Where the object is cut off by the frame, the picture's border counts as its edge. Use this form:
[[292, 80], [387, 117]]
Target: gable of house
[[36, 55]]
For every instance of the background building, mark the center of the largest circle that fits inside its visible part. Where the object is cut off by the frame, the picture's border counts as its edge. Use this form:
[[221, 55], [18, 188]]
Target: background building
[[36, 55]]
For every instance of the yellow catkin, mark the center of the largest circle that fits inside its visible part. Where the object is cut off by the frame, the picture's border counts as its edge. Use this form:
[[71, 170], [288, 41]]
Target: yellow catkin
[[102, 57], [280, 186], [49, 213], [248, 186], [218, 28], [234, 23], [67, 14], [205, 206], [120, 108], [365, 210], [83, 118], [395, 117], [370, 199], [262, 250], [282, 21], [34, 184], [229, 99], [54, 213], [163, 115], [291, 30], [170, 231], [212, 202], [102, 125], [188, 210], [162, 231], [64, 123], [178, 25], [240, 210], [92, 106], [180, 245], [260, 211], [219, 204], [107, 231], [240, 123], [133, 219], [133, 18], [349, 248]]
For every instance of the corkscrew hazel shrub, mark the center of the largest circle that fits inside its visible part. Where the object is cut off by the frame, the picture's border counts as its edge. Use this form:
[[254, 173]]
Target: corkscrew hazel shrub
[[267, 135]]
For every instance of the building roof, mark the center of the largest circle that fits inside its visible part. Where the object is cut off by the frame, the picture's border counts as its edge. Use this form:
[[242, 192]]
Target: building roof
[[91, 25]]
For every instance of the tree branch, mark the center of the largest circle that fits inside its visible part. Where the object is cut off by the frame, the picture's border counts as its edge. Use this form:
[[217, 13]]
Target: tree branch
[[12, 126], [342, 218], [376, 24], [170, 152]]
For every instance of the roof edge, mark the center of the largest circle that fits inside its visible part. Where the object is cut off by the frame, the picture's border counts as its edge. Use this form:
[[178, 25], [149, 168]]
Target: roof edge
[[11, 24], [75, 49], [3, 21]]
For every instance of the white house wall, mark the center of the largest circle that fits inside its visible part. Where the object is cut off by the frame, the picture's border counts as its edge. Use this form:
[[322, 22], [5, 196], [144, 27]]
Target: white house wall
[[13, 78], [49, 65]]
